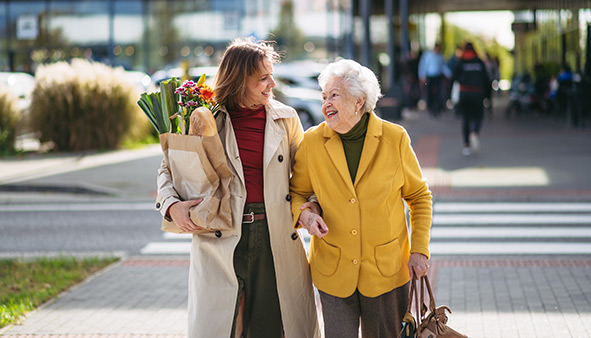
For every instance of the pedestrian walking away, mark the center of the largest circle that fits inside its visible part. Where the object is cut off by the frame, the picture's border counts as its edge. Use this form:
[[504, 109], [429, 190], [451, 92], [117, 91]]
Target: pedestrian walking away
[[470, 72], [253, 280], [432, 70], [361, 169]]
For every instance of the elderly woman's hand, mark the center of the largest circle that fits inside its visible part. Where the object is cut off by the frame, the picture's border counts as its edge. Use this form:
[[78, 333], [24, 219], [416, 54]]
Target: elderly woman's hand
[[312, 221], [419, 264], [179, 212]]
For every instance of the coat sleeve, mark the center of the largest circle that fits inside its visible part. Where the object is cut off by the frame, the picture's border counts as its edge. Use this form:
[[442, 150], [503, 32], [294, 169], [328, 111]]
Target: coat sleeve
[[296, 135], [417, 195], [167, 195]]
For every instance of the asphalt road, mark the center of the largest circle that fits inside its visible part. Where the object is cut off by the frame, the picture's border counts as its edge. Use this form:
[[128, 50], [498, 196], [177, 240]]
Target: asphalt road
[[86, 230]]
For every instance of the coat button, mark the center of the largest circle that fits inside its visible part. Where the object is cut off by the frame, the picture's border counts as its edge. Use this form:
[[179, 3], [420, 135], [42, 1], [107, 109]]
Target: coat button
[[218, 234], [158, 205], [352, 200], [280, 158], [355, 261], [294, 236], [288, 198], [354, 232]]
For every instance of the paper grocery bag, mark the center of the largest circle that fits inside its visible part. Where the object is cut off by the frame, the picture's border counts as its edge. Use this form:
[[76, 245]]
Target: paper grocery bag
[[198, 168]]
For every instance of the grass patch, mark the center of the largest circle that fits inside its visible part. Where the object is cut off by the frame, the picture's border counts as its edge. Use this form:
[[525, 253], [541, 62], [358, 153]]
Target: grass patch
[[26, 284]]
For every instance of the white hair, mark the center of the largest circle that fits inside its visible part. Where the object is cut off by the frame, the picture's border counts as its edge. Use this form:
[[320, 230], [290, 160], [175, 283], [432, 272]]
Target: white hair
[[360, 81]]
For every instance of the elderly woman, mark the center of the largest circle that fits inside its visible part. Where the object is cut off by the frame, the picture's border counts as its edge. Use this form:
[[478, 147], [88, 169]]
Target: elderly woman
[[362, 169], [253, 280]]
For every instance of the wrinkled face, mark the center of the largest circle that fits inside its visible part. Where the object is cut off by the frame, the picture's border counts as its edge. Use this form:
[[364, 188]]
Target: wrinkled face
[[338, 107], [259, 85]]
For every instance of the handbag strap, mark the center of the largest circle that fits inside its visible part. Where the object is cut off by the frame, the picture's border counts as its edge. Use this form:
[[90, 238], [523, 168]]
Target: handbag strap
[[425, 281]]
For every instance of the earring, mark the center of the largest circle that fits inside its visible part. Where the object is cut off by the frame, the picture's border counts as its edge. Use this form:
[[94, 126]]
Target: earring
[[356, 113]]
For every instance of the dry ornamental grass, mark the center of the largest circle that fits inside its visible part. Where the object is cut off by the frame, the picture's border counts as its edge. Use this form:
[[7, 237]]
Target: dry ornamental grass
[[86, 105]]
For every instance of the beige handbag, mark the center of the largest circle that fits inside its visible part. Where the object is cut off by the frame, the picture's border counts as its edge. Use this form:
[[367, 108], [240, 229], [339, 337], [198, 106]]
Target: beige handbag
[[198, 169], [432, 320]]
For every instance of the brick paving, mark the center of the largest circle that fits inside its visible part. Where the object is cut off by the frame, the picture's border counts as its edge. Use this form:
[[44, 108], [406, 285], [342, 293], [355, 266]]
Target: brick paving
[[516, 297]]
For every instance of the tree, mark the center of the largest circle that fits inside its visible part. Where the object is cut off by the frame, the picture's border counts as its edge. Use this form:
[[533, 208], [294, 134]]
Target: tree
[[287, 34]]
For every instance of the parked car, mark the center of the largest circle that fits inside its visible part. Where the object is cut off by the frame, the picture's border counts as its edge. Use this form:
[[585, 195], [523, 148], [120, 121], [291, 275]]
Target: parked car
[[302, 74], [307, 102], [21, 85], [141, 81], [194, 73]]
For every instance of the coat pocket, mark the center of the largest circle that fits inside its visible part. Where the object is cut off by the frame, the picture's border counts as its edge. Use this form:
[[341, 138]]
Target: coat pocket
[[326, 258], [388, 258]]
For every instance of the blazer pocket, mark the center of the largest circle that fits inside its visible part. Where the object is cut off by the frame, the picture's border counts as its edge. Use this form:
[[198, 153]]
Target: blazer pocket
[[388, 258], [326, 258]]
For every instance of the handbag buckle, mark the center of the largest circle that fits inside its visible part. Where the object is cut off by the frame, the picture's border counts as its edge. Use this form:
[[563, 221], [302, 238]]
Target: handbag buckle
[[245, 218]]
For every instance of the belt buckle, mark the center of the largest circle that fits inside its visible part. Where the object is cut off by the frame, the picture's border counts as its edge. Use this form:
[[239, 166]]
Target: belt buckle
[[251, 218]]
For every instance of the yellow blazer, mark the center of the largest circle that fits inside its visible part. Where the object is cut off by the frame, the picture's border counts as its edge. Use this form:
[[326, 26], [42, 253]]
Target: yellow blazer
[[367, 246]]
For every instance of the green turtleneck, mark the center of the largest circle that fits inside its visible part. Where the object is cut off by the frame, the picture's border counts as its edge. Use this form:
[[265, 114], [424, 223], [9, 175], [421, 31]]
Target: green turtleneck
[[353, 144]]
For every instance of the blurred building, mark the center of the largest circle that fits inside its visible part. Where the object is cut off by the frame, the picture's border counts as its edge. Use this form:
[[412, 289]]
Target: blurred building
[[148, 35]]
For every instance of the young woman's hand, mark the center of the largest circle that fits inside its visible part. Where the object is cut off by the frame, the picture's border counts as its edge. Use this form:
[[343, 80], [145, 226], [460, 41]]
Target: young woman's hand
[[179, 212]]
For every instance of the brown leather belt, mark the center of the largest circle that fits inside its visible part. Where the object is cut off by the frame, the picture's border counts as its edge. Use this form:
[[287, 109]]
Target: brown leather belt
[[250, 218]]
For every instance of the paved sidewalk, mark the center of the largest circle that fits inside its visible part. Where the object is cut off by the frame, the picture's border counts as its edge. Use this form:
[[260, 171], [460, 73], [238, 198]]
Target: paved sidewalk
[[489, 297], [530, 158]]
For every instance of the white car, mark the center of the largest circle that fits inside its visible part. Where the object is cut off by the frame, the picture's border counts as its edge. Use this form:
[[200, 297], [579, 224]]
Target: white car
[[140, 80], [21, 85]]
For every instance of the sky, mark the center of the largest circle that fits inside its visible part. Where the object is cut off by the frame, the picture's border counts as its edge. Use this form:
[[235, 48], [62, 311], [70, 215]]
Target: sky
[[496, 24]]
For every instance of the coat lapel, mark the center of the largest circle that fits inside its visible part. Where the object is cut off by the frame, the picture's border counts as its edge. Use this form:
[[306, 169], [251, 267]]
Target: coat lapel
[[334, 148], [370, 145], [273, 132], [229, 141]]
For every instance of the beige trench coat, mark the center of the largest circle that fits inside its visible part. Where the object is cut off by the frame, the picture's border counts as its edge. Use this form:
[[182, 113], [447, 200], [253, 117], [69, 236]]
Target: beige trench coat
[[213, 286]]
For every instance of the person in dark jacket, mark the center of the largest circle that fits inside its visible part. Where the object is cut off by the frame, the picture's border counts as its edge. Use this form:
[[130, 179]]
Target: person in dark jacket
[[470, 72]]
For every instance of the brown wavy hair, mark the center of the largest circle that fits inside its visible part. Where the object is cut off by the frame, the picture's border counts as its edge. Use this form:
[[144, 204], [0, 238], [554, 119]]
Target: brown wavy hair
[[241, 59]]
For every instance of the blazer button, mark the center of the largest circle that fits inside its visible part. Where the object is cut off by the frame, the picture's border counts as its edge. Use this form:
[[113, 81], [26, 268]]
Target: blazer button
[[288, 198], [280, 158], [353, 232], [157, 205], [352, 200], [218, 234], [294, 236], [355, 261]]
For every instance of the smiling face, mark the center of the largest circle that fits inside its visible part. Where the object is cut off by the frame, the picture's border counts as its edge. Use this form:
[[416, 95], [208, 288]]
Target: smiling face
[[338, 107], [259, 86]]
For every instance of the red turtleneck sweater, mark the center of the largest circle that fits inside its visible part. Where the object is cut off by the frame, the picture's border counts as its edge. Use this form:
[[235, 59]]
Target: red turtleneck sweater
[[249, 128]]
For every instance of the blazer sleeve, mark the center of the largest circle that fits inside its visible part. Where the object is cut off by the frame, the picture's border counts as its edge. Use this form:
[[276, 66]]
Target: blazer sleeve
[[300, 185], [417, 195]]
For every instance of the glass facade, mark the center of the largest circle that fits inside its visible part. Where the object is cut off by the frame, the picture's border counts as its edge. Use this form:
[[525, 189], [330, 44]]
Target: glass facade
[[148, 35], [143, 35]]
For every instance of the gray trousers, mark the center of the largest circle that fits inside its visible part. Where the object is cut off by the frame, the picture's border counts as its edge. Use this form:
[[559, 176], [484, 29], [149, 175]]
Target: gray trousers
[[380, 316]]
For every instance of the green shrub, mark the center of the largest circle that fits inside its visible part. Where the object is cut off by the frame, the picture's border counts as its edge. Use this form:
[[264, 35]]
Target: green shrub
[[86, 105], [9, 116]]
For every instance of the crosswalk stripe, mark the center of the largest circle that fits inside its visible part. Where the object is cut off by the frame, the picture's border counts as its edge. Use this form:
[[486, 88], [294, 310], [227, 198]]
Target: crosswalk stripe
[[504, 248], [448, 207], [479, 229], [472, 219], [161, 248], [119, 206]]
